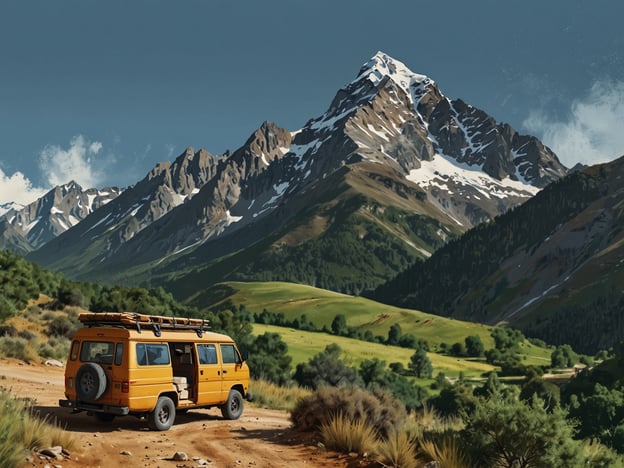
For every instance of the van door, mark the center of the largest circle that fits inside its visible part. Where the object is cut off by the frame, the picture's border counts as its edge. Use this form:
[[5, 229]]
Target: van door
[[232, 367], [209, 391]]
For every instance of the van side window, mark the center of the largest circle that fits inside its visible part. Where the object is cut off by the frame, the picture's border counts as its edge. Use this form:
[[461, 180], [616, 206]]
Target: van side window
[[118, 354], [229, 354], [207, 353], [151, 354]]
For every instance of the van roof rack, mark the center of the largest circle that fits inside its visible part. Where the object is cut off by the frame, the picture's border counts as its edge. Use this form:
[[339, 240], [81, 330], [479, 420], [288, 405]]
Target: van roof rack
[[134, 320]]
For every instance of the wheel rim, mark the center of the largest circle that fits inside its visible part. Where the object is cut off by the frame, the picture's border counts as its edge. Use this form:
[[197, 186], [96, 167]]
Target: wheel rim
[[87, 383], [163, 414], [234, 405]]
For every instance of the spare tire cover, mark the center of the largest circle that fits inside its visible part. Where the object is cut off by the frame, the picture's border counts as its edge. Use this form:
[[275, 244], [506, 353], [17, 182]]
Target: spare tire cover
[[90, 381]]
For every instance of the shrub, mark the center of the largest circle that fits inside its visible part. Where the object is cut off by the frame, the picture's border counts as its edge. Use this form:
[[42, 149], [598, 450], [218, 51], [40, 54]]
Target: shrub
[[346, 435], [18, 348], [62, 326], [8, 330], [27, 335], [56, 347], [32, 313], [379, 408]]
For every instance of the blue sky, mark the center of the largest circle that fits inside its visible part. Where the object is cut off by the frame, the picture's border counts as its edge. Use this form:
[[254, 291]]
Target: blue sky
[[102, 90]]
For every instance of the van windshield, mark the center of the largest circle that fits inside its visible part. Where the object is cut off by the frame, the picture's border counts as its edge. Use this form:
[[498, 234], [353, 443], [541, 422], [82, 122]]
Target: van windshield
[[97, 351]]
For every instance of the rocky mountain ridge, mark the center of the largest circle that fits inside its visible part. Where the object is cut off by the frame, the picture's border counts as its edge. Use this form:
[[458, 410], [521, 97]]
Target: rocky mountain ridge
[[390, 138]]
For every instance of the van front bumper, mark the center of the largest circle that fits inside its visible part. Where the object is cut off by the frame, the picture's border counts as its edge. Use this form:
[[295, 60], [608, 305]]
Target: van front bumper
[[81, 406]]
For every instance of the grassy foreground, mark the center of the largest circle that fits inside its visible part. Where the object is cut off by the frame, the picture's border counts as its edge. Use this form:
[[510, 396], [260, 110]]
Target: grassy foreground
[[21, 430]]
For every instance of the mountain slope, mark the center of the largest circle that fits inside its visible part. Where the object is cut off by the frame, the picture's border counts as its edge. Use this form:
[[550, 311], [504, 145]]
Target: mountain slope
[[390, 172], [553, 266], [26, 228]]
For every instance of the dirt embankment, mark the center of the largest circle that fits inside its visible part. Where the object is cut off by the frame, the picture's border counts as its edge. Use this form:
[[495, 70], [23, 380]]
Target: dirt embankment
[[260, 438]]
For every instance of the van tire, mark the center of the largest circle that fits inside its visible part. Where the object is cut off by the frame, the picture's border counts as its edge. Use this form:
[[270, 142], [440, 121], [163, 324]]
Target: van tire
[[233, 407], [91, 382], [161, 419]]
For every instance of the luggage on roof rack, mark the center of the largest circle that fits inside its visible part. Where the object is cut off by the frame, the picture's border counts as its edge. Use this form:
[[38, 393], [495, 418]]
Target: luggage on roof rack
[[133, 320]]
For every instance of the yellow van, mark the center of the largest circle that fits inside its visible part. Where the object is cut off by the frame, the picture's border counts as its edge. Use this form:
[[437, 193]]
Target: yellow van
[[152, 366]]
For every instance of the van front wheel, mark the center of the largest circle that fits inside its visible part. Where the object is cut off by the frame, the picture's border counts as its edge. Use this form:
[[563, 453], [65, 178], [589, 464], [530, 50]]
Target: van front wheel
[[233, 407], [161, 419]]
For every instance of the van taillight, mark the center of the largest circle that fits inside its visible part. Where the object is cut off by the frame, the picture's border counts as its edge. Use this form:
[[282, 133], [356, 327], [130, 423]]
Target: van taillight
[[125, 386], [70, 382]]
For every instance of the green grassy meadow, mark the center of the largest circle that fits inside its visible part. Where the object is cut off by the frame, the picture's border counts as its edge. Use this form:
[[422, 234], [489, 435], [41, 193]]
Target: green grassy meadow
[[302, 345], [321, 306]]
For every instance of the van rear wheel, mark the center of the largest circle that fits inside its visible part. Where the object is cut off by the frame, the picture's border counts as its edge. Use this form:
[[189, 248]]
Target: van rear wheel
[[233, 407], [161, 419]]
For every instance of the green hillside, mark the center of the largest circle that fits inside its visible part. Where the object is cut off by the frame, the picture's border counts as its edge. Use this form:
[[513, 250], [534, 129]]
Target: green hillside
[[321, 307]]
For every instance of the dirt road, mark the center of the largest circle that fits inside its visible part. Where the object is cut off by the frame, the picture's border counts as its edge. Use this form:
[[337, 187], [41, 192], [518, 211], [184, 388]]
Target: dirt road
[[260, 438]]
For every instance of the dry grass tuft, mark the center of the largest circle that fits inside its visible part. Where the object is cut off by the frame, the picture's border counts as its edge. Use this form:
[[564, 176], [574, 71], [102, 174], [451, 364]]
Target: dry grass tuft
[[346, 435], [398, 450], [445, 451], [268, 395]]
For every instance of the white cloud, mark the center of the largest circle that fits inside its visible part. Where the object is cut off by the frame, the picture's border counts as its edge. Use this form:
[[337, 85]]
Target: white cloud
[[17, 188], [592, 132], [77, 163]]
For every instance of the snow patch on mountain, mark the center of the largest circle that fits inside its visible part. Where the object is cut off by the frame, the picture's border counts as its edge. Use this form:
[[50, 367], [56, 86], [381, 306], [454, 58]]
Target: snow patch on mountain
[[229, 219], [6, 207], [442, 170]]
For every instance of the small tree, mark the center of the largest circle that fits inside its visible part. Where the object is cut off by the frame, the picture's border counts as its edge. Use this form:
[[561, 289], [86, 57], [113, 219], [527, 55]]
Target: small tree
[[270, 359], [491, 387], [563, 356], [458, 349], [394, 334], [474, 346], [547, 392], [339, 325], [420, 365], [326, 369], [509, 433]]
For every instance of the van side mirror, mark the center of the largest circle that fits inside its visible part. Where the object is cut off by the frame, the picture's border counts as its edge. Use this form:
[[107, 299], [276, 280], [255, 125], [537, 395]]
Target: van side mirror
[[245, 355]]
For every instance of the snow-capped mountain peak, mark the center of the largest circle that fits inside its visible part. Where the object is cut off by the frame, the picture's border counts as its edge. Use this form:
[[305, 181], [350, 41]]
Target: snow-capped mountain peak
[[381, 65]]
